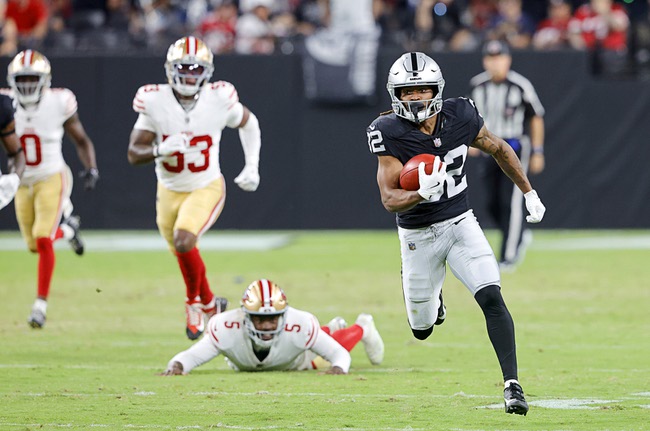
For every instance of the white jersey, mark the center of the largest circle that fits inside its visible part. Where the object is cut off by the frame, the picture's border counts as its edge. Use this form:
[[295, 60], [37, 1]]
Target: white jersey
[[40, 130], [301, 341], [217, 107]]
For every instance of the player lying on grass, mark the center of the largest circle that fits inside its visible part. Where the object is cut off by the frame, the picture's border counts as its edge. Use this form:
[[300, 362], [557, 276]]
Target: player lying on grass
[[266, 334]]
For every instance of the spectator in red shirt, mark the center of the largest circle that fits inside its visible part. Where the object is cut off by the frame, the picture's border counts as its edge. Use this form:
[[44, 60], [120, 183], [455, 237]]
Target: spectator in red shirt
[[31, 18], [599, 22], [553, 32], [218, 28], [601, 26]]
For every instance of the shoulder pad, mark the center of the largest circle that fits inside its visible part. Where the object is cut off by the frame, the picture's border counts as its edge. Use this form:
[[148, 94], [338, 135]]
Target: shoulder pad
[[142, 96], [225, 91]]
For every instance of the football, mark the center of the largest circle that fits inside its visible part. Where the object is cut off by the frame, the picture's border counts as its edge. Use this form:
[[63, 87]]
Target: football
[[408, 178]]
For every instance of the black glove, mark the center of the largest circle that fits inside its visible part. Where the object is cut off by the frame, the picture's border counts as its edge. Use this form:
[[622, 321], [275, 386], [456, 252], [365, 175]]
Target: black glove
[[90, 177]]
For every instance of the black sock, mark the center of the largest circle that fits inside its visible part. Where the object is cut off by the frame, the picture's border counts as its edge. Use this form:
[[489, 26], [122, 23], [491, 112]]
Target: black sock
[[500, 327], [422, 334]]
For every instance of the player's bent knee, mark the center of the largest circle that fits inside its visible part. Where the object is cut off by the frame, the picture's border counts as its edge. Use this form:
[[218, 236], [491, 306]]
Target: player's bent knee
[[490, 300], [184, 241], [422, 334], [489, 296]]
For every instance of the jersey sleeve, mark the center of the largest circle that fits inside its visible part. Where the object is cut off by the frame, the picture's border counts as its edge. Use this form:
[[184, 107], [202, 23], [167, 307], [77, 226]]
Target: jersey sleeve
[[141, 102], [69, 101], [327, 347], [468, 114], [380, 138], [200, 353], [227, 94], [6, 111], [534, 106]]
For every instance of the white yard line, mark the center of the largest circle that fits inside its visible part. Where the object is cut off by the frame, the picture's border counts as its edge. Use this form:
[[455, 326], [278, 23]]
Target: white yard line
[[152, 241]]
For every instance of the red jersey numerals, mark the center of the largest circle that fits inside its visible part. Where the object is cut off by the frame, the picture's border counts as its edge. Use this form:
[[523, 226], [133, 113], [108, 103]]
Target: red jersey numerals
[[150, 87], [202, 144], [292, 328], [231, 325], [32, 147]]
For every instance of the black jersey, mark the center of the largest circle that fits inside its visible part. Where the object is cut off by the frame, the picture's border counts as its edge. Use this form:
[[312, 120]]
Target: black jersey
[[6, 111], [458, 125]]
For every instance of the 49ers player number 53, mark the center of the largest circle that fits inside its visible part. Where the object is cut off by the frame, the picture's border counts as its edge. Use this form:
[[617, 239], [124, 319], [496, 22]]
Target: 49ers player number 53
[[179, 128]]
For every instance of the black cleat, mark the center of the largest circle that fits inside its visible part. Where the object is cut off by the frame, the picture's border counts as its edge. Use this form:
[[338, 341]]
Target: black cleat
[[442, 312], [75, 242], [513, 396], [216, 306]]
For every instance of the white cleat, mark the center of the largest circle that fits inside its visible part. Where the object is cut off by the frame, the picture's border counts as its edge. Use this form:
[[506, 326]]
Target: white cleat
[[38, 315], [195, 320], [337, 323], [371, 339]]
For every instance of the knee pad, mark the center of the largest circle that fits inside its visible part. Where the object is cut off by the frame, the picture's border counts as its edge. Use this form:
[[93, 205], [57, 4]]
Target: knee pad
[[422, 334], [490, 299]]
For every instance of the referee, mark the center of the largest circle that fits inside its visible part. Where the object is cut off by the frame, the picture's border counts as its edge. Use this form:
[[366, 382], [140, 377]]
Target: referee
[[512, 110]]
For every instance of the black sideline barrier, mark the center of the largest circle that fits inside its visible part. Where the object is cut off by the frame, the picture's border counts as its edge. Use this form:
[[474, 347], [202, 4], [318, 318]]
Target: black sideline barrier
[[316, 170]]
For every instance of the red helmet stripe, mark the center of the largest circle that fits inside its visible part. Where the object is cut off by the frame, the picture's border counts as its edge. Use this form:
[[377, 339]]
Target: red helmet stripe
[[191, 45], [266, 293], [28, 57]]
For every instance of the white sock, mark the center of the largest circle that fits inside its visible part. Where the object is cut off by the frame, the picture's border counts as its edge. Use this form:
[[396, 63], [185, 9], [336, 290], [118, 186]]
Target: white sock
[[68, 232], [41, 305], [511, 381]]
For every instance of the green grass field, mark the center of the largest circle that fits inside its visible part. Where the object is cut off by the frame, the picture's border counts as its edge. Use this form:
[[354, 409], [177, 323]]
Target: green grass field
[[580, 303]]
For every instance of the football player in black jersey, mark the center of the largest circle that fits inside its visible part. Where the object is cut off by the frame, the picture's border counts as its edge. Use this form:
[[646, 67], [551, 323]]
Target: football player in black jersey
[[435, 223], [10, 181]]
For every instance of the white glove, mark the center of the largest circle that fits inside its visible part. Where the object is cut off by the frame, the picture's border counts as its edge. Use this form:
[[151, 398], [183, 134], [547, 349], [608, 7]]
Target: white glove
[[535, 207], [8, 187], [249, 178], [177, 143], [432, 186]]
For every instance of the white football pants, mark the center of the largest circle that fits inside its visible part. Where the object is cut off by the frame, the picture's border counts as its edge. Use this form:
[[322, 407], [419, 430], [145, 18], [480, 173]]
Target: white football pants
[[458, 241]]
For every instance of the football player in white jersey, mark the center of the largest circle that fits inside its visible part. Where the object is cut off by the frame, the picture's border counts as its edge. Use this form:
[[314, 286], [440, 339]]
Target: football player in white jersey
[[179, 128], [43, 116], [266, 334], [10, 181]]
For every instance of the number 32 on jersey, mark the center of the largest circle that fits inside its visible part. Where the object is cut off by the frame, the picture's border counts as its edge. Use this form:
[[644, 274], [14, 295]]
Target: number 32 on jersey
[[456, 180]]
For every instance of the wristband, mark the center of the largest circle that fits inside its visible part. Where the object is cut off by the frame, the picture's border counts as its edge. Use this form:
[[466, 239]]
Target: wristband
[[538, 150], [155, 151]]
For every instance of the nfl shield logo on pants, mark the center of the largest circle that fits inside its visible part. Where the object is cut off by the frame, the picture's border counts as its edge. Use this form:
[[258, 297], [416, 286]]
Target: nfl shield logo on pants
[[411, 246]]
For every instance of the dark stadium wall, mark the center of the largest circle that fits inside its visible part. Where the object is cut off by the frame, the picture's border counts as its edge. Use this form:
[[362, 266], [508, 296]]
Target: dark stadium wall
[[316, 170]]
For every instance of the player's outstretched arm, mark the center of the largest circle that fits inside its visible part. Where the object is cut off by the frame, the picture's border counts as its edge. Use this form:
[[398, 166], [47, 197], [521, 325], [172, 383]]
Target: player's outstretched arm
[[507, 159], [176, 369], [504, 155], [85, 150], [250, 136], [141, 150]]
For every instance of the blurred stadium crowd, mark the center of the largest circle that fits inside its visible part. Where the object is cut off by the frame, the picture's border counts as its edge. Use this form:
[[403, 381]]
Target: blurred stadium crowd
[[619, 30]]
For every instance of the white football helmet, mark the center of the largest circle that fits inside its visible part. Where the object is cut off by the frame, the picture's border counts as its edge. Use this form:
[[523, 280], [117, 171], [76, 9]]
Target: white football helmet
[[263, 298], [28, 74], [188, 65], [415, 69]]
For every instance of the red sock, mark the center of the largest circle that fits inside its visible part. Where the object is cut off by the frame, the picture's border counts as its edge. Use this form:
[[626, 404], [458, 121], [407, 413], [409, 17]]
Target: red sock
[[348, 337], [46, 262], [206, 294], [326, 329], [193, 270], [58, 234]]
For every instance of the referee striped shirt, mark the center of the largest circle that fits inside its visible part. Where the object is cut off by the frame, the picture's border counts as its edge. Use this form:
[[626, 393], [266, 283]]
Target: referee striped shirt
[[506, 106]]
